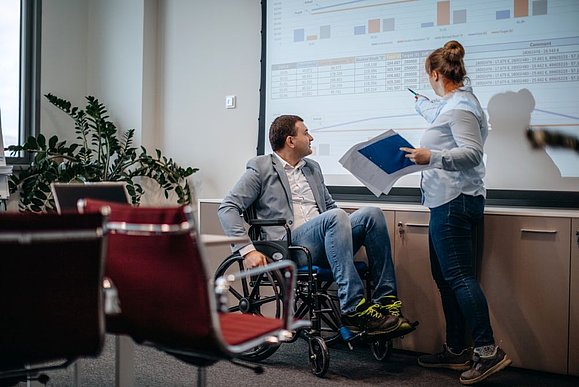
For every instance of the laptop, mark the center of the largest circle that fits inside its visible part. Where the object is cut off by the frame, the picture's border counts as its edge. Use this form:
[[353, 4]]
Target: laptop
[[66, 195]]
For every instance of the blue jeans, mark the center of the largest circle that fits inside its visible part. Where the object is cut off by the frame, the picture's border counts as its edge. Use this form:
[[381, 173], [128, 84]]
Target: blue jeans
[[453, 239], [333, 238]]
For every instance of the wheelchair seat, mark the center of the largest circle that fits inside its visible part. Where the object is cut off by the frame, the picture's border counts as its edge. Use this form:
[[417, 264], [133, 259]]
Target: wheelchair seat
[[325, 273]]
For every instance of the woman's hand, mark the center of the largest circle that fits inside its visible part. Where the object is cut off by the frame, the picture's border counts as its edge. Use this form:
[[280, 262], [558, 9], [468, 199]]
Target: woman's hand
[[419, 156]]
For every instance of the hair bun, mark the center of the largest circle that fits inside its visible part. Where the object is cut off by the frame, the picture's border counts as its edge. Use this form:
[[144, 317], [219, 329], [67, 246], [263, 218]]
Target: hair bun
[[453, 51]]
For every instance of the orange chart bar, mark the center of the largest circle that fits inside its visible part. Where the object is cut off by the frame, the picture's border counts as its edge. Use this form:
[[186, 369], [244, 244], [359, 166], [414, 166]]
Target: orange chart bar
[[443, 13], [373, 26], [521, 8]]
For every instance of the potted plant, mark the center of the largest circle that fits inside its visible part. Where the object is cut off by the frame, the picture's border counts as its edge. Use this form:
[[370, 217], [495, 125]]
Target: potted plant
[[101, 153]]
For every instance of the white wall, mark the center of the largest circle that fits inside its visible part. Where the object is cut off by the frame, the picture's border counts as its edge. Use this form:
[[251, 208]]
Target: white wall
[[210, 49], [63, 61], [163, 68]]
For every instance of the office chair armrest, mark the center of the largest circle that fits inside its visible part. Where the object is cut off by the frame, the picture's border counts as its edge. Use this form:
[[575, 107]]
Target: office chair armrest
[[112, 303], [288, 270]]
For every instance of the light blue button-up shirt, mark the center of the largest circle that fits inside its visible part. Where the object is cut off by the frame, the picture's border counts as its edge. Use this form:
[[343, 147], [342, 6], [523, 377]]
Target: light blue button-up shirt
[[457, 132]]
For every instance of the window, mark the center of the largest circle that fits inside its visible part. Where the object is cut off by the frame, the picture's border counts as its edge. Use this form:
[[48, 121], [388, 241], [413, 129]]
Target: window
[[19, 71]]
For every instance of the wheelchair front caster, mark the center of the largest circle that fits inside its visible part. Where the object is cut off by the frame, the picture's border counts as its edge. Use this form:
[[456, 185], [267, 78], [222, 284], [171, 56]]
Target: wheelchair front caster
[[381, 349], [319, 356]]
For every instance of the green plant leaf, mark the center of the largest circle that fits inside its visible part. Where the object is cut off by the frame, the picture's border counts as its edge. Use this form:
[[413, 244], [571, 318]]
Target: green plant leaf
[[101, 153]]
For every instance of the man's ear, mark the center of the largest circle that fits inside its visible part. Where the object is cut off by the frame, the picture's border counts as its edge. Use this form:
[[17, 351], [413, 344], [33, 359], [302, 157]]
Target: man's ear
[[289, 141]]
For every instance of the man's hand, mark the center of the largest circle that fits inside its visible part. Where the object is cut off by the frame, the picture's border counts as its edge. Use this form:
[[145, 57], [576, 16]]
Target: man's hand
[[420, 156], [254, 259]]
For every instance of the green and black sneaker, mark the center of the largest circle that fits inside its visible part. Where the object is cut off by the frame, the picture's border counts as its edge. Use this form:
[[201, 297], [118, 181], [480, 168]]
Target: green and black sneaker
[[392, 306], [366, 318]]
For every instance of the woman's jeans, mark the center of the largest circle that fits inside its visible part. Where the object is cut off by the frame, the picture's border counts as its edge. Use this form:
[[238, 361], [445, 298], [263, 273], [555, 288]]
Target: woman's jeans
[[453, 250], [333, 237]]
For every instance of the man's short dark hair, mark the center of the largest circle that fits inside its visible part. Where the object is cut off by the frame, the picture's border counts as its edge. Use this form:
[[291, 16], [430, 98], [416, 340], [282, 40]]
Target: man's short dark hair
[[281, 128]]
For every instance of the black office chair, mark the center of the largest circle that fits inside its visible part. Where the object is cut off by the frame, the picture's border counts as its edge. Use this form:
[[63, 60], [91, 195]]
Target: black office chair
[[315, 298], [51, 294]]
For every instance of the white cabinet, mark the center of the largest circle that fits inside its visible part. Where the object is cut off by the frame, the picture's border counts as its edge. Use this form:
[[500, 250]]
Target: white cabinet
[[416, 288], [525, 276], [574, 302]]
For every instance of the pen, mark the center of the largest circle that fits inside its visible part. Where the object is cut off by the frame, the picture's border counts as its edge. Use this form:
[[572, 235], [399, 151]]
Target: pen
[[412, 91]]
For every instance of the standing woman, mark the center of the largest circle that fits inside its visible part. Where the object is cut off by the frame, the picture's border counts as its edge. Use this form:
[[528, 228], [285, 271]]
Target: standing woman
[[454, 191]]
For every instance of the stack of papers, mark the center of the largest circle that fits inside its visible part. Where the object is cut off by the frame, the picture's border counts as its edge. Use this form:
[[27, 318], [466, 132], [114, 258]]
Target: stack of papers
[[378, 163]]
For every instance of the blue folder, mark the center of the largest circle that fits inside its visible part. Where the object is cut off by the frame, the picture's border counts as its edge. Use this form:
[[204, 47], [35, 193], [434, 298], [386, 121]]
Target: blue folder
[[386, 153]]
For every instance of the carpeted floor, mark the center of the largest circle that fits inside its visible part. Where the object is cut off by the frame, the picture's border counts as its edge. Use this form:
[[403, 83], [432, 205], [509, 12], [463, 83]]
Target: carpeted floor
[[289, 367]]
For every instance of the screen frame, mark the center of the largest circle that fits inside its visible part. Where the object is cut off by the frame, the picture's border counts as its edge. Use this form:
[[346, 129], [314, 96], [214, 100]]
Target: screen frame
[[406, 195]]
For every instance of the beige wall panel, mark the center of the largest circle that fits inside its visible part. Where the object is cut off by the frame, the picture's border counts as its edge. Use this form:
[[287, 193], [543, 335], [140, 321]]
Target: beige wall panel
[[574, 311]]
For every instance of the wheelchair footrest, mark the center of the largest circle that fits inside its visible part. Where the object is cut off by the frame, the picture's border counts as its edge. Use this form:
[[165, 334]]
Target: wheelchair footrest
[[369, 336]]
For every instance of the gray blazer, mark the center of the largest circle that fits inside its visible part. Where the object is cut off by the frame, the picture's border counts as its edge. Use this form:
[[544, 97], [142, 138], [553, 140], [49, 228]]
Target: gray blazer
[[265, 186]]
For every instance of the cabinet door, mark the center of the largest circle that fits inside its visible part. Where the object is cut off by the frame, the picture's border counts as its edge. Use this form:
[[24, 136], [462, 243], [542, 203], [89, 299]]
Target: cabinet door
[[525, 276], [574, 312], [416, 288]]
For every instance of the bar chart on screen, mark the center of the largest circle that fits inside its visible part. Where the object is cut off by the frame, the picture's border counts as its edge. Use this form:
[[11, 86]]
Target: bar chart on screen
[[345, 65]]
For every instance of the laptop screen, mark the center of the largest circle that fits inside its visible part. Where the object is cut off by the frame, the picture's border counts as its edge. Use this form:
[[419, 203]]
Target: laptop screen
[[66, 195]]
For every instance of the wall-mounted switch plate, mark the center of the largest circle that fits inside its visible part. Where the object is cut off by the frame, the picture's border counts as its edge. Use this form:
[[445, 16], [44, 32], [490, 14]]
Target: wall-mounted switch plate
[[230, 101]]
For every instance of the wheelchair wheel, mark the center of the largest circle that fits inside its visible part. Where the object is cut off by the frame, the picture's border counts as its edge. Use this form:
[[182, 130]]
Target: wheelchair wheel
[[381, 349], [260, 295], [319, 356]]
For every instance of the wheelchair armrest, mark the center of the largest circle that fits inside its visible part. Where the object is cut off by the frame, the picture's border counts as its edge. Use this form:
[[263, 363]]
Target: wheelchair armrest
[[289, 271], [256, 224], [267, 222]]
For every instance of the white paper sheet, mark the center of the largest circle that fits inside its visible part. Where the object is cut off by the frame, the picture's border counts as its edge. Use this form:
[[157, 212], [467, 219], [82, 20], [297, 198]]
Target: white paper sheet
[[372, 175]]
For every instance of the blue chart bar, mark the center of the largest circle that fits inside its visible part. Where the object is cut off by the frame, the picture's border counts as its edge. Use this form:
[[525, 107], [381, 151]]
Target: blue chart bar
[[425, 25], [359, 30], [504, 14], [299, 35]]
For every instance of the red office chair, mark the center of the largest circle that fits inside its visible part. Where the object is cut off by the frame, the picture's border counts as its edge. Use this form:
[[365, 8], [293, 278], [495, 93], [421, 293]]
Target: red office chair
[[51, 295], [155, 260]]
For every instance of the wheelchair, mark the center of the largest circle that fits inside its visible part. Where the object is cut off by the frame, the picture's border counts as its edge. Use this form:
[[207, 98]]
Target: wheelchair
[[315, 299]]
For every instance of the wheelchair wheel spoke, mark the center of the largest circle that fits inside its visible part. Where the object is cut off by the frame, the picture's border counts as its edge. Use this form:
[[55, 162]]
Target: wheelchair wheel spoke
[[257, 304], [233, 309], [261, 282], [235, 293]]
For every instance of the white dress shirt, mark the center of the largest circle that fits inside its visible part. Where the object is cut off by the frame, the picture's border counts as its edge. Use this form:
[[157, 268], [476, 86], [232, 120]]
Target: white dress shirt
[[303, 201]]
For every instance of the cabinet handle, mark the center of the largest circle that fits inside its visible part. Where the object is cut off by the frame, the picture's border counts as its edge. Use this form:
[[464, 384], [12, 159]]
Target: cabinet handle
[[530, 230], [401, 226], [577, 235], [416, 225]]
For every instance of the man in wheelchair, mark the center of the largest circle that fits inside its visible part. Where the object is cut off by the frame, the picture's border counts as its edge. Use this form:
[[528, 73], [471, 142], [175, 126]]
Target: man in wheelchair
[[286, 184]]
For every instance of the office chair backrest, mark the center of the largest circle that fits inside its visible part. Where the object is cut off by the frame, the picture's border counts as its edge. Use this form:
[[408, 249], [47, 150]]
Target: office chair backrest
[[154, 260], [51, 298]]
